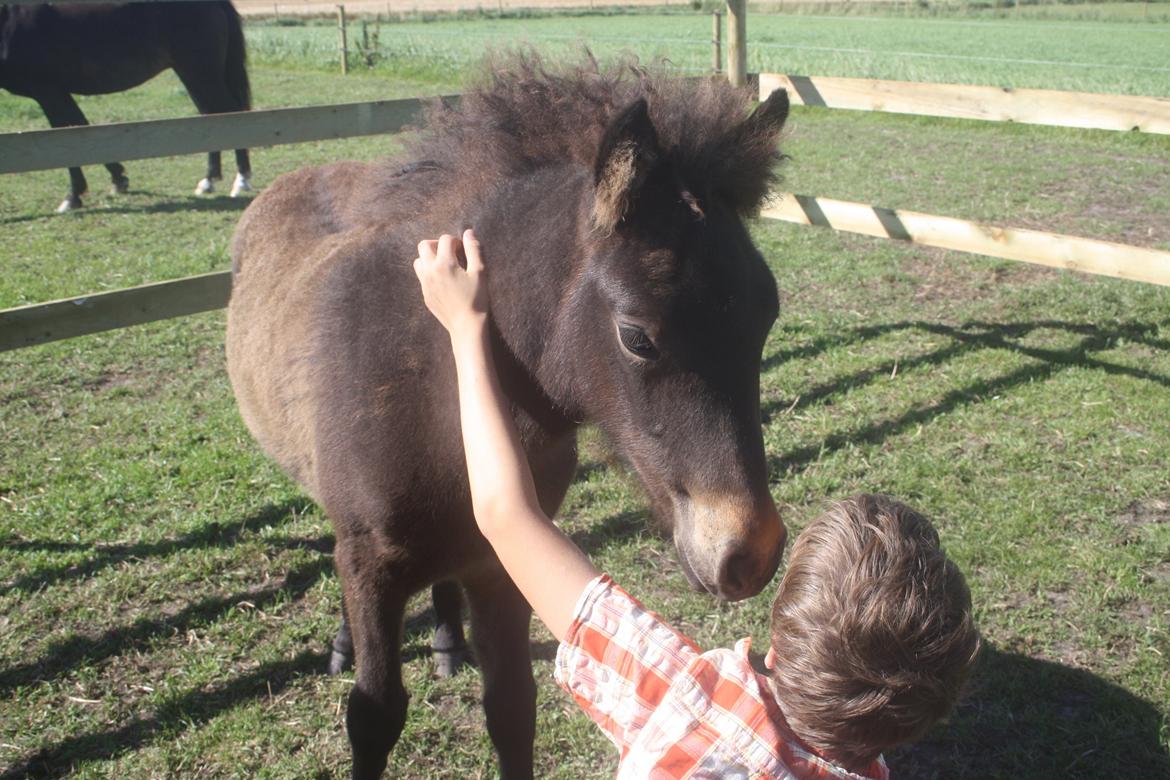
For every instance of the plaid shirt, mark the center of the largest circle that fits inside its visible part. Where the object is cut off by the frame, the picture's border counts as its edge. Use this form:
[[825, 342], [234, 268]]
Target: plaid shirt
[[672, 710]]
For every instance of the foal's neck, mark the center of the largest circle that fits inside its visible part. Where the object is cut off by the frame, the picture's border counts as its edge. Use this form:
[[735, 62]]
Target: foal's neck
[[530, 229]]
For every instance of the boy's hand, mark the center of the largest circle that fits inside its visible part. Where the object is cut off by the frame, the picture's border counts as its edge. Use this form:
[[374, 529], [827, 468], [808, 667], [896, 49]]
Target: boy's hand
[[456, 296]]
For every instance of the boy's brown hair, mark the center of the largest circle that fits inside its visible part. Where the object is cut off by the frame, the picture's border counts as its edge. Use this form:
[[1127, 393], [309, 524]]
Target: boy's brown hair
[[872, 630]]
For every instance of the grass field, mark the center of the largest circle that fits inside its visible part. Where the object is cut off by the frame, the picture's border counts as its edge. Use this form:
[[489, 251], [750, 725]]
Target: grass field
[[167, 596], [1129, 57]]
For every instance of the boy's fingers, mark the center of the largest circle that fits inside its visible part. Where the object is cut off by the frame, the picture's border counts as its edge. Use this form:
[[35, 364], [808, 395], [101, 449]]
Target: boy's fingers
[[447, 248], [471, 250], [427, 249]]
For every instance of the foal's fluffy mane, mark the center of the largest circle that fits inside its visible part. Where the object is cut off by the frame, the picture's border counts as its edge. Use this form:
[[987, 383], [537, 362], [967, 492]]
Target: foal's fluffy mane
[[527, 116]]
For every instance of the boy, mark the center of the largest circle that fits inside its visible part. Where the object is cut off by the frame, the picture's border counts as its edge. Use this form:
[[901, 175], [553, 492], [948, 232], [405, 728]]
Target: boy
[[872, 635]]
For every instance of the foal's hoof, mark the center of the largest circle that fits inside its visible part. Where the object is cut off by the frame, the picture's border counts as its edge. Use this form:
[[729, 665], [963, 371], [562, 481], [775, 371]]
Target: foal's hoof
[[241, 184], [69, 204], [339, 663], [205, 187], [449, 662], [121, 186]]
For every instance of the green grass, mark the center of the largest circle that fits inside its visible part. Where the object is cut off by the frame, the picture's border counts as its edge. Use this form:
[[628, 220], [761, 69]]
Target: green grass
[[167, 596], [1154, 12], [1126, 57]]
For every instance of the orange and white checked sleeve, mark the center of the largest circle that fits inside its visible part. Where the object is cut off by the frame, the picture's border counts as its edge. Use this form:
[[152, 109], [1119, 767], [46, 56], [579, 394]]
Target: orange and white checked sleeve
[[619, 659]]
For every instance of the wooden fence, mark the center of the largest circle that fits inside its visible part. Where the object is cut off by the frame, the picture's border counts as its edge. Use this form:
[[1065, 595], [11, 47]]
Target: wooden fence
[[27, 326], [1028, 106], [44, 322]]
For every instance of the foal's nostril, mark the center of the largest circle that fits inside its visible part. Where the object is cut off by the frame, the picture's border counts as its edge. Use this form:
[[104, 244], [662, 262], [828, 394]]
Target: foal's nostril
[[737, 576]]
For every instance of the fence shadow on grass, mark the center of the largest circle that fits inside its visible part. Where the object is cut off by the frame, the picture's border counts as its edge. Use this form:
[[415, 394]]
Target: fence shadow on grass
[[212, 535], [964, 339], [1029, 718], [77, 650], [168, 204], [180, 714], [164, 204], [1139, 332]]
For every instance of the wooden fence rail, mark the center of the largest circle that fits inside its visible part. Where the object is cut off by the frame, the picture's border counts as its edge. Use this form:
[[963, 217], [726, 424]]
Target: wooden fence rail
[[63, 147], [41, 323], [1029, 246], [1029, 106], [35, 150]]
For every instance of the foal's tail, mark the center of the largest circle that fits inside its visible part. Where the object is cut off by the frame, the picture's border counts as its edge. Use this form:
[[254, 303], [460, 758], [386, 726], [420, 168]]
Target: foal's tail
[[237, 54]]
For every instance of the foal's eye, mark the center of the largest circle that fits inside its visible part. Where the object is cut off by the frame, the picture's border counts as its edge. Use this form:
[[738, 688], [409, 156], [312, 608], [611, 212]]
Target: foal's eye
[[636, 342]]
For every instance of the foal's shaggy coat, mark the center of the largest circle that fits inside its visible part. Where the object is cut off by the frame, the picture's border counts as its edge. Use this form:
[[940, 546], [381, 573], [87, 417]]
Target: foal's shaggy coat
[[625, 292]]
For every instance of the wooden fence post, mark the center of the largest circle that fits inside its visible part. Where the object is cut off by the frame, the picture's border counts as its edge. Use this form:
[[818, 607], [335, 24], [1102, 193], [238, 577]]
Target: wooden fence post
[[344, 46], [716, 42], [737, 42]]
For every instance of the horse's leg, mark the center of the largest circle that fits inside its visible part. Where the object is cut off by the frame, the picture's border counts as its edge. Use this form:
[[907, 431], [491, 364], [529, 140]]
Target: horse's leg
[[118, 178], [62, 111], [374, 607], [448, 648], [341, 655], [206, 185], [499, 631], [212, 95], [243, 173]]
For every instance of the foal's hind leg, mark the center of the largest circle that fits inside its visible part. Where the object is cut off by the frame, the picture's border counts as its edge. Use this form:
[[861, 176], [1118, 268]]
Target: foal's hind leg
[[448, 648], [341, 654], [499, 630]]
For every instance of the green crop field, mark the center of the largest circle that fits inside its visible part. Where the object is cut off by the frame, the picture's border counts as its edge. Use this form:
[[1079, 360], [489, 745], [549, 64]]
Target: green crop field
[[1119, 57], [167, 597]]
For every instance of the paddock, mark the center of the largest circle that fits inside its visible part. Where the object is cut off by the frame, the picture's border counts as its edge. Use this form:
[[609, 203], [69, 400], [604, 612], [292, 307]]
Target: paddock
[[167, 596]]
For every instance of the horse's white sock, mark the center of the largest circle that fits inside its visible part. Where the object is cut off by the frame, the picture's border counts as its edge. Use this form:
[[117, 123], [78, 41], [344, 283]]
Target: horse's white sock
[[240, 185]]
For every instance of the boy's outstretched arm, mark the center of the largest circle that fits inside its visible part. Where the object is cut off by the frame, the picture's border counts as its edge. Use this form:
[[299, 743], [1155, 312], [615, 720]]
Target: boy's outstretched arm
[[546, 566]]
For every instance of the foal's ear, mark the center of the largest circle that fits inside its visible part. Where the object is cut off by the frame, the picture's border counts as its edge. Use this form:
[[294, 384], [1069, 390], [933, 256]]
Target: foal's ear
[[628, 152], [750, 169], [769, 116]]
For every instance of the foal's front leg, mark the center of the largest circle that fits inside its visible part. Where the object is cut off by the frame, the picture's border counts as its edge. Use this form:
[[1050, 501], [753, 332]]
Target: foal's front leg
[[499, 630], [374, 606]]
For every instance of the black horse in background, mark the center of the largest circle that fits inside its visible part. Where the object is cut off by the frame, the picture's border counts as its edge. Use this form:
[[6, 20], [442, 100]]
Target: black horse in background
[[52, 52]]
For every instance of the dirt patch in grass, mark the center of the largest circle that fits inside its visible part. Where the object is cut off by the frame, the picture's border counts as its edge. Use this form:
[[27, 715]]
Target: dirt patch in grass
[[1108, 206], [937, 280], [108, 380], [1143, 514]]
